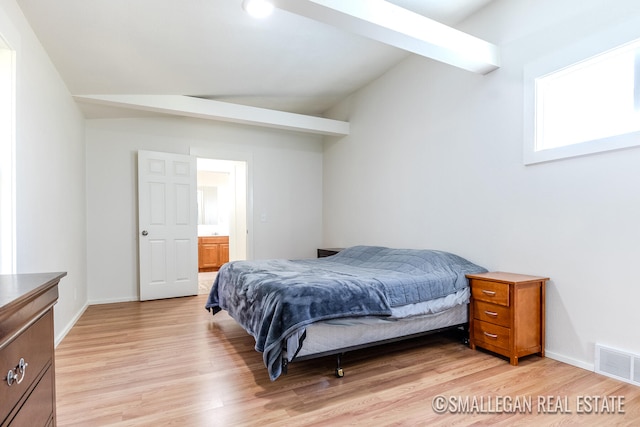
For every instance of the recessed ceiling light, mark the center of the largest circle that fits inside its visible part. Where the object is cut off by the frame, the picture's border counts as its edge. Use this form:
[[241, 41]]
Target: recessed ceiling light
[[258, 8]]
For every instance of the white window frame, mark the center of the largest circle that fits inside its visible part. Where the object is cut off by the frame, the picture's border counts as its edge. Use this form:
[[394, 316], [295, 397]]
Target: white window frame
[[9, 46], [561, 59]]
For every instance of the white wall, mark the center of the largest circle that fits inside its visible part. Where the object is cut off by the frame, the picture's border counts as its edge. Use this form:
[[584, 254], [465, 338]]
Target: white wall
[[434, 160], [50, 172], [286, 174]]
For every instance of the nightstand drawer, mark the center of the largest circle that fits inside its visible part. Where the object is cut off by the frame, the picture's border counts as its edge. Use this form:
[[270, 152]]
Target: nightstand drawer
[[490, 334], [493, 292], [492, 313]]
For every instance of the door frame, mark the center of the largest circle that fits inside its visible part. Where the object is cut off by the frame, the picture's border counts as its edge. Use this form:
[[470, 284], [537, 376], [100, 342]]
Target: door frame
[[238, 156]]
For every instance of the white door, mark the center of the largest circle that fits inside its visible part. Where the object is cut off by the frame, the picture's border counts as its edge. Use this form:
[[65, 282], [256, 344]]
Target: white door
[[167, 225]]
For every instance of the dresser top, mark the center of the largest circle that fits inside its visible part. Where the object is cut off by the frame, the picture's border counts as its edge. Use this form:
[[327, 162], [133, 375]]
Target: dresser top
[[15, 288]]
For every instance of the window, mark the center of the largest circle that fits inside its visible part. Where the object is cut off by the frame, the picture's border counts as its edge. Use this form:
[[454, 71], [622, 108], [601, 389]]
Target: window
[[7, 159], [586, 106], [591, 100]]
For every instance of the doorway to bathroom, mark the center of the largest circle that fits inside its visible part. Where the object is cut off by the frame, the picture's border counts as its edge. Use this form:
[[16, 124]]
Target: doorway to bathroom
[[222, 187]]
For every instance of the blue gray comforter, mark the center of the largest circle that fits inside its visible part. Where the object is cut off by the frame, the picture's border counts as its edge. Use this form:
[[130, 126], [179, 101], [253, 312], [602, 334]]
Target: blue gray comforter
[[273, 298]]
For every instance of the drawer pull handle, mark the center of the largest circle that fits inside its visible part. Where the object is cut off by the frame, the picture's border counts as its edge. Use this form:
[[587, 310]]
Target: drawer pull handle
[[491, 313], [17, 374], [490, 293], [494, 336]]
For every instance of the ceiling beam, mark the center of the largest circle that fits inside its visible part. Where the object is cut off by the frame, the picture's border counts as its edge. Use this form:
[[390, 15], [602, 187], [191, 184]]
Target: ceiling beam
[[402, 28], [187, 106]]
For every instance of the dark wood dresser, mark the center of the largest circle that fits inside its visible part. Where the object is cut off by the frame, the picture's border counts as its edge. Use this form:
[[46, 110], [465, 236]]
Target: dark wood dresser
[[27, 391]]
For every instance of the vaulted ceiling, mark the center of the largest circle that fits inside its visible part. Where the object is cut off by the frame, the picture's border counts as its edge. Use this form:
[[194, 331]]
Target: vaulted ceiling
[[211, 49]]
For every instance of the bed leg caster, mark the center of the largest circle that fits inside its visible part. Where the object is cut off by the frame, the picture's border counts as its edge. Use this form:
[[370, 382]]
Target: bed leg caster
[[339, 370], [464, 336]]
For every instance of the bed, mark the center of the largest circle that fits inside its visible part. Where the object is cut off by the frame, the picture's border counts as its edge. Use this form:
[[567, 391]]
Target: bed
[[363, 295]]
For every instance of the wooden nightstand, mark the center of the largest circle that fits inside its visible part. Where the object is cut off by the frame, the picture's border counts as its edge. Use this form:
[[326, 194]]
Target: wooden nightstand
[[323, 252], [506, 314]]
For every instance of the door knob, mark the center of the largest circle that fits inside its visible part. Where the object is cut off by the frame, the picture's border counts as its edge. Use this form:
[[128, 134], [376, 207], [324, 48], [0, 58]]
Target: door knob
[[145, 232]]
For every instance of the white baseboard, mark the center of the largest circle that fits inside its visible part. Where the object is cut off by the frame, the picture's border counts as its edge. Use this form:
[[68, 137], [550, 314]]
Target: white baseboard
[[113, 300], [70, 325], [570, 361]]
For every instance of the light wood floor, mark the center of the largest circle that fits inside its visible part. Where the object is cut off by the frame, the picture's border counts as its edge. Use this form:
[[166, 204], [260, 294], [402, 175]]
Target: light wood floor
[[169, 362]]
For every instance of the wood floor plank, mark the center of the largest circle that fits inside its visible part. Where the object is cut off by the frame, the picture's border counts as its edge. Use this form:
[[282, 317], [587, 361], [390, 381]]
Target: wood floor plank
[[169, 362]]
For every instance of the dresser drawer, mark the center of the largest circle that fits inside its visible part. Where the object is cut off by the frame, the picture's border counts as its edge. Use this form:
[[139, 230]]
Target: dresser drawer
[[493, 292], [38, 409], [35, 346], [492, 313], [490, 334]]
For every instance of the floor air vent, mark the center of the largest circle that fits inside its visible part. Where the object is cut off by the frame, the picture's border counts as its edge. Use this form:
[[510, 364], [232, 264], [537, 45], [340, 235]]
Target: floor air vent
[[618, 364]]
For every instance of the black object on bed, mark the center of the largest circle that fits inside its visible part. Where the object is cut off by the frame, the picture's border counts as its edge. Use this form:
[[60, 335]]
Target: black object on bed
[[273, 299]]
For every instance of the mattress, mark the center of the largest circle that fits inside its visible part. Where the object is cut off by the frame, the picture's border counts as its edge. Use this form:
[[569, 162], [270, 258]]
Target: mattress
[[344, 333]]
